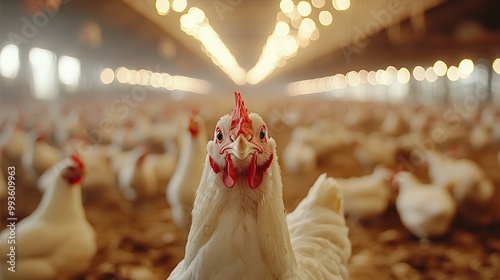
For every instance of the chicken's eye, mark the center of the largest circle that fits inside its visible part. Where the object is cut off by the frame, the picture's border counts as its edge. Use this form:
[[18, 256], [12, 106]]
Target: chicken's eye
[[262, 133], [218, 135]]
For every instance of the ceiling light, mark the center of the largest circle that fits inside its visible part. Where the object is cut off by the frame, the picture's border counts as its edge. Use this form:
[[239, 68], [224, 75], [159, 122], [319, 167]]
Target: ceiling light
[[325, 18], [466, 67], [107, 76], [43, 69], [403, 76], [419, 73], [496, 65], [197, 14], [341, 5], [286, 6], [281, 29], [69, 71], [430, 76], [306, 27], [372, 78], [162, 7], [440, 68], [9, 61], [122, 75], [318, 3], [452, 73], [304, 8], [179, 5], [352, 78]]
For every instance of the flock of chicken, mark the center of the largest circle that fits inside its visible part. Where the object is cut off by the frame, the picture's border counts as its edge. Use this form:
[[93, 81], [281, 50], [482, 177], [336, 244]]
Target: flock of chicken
[[406, 140], [228, 193]]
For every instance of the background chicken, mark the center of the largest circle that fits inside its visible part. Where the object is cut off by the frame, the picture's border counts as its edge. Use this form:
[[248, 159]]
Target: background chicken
[[239, 217], [13, 141], [299, 158], [38, 155], [425, 210], [56, 241], [469, 183], [366, 196], [182, 187], [136, 180]]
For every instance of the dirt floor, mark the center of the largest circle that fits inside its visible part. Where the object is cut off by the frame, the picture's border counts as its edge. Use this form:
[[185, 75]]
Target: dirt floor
[[140, 241]]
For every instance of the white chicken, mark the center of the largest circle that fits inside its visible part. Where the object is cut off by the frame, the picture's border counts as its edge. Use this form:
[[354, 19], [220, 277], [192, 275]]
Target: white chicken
[[425, 210], [324, 140], [393, 124], [38, 155], [240, 229], [299, 158], [467, 179], [68, 126], [136, 180], [13, 141], [479, 137], [374, 149], [131, 133], [56, 241], [99, 178], [182, 187], [367, 196]]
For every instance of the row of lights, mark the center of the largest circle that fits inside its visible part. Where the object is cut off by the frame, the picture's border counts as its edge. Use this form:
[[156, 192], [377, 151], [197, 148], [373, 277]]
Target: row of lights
[[387, 77], [195, 24], [145, 77], [285, 40], [45, 65], [282, 44]]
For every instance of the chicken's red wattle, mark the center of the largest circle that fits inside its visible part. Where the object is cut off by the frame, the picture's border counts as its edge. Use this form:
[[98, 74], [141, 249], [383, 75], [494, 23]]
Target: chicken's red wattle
[[255, 174]]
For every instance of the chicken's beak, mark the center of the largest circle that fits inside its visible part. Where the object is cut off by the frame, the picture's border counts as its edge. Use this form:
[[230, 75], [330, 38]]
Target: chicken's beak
[[241, 148]]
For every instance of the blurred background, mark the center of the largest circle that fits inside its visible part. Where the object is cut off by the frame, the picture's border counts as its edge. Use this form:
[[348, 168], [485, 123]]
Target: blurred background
[[343, 85]]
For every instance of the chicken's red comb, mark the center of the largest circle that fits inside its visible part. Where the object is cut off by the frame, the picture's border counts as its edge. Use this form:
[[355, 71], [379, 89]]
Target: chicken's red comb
[[78, 161], [240, 120]]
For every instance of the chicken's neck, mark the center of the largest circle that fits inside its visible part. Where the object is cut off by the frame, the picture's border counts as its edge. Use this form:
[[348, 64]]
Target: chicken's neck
[[61, 203], [253, 218]]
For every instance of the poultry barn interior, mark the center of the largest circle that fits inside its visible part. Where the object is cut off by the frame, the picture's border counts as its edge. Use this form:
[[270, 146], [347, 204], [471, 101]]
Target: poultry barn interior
[[129, 141]]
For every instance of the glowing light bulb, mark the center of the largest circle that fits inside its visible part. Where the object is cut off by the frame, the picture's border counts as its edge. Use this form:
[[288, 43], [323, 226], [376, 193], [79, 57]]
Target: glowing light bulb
[[419, 73], [466, 67], [403, 76], [496, 65], [452, 73], [325, 18], [341, 5], [162, 7], [179, 5], [286, 6], [440, 68], [107, 76], [304, 8]]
